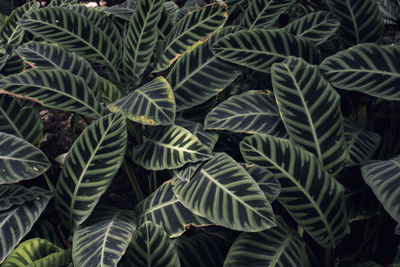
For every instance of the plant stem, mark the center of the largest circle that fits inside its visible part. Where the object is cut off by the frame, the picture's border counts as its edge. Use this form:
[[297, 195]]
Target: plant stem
[[328, 257], [134, 182], [49, 184]]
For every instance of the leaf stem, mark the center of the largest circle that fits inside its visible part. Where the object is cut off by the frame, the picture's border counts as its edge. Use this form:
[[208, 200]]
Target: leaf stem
[[134, 181], [49, 184]]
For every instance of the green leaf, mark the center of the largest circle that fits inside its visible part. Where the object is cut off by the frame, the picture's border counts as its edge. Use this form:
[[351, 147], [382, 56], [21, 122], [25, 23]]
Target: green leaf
[[232, 4], [10, 32], [123, 10], [310, 195], [361, 143], [224, 193], [310, 110], [195, 26], [141, 39], [20, 121], [165, 24], [251, 112], [208, 138], [264, 13], [170, 147], [53, 88], [38, 252], [383, 178], [360, 21], [17, 221], [150, 246], [74, 32], [317, 27], [258, 49], [278, 246], [20, 160], [62, 3], [163, 208], [390, 10], [367, 68], [46, 230], [150, 104], [13, 65], [103, 238], [12, 195], [89, 168]]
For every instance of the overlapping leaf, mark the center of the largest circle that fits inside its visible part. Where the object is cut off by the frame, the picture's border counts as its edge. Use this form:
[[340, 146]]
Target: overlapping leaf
[[316, 27], [165, 24], [38, 252], [123, 10], [360, 21], [390, 10], [163, 208], [310, 110], [61, 3], [20, 160], [46, 230], [17, 221], [367, 68], [89, 168], [12, 195], [305, 184], [13, 65], [104, 237], [232, 4], [383, 178], [170, 147], [193, 27], [264, 13], [258, 49], [221, 183]]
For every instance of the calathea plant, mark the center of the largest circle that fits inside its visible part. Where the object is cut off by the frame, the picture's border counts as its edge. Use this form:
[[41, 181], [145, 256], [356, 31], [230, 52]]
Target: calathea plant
[[225, 118]]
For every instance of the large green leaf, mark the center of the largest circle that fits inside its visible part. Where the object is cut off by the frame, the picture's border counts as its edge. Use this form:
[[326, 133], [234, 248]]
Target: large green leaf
[[150, 104], [383, 178], [38, 252], [221, 183], [193, 27], [264, 13], [20, 121], [53, 88], [103, 238], [360, 21], [316, 27], [278, 246], [10, 32], [251, 112], [123, 10], [199, 75], [367, 68], [163, 208], [259, 49], [310, 195], [170, 147], [17, 221], [232, 4], [13, 65], [61, 3], [89, 168], [20, 160], [165, 24], [310, 110], [150, 246], [141, 39], [74, 32], [12, 195]]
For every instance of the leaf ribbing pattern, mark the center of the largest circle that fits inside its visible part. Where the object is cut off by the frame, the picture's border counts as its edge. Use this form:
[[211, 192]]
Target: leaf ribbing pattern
[[11, 195], [123, 10], [208, 138]]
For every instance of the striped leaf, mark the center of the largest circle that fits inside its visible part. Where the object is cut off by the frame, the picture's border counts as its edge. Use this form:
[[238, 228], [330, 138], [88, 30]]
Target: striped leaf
[[390, 10], [170, 147], [163, 208], [23, 122], [123, 10], [61, 3], [17, 221], [10, 32], [258, 49], [171, 8], [199, 75], [150, 246], [317, 27], [310, 110], [46, 230], [232, 4], [53, 88], [383, 178], [221, 183], [110, 91], [103, 238], [251, 112], [20, 160], [367, 68], [199, 112], [305, 184], [193, 27], [74, 32], [89, 168], [141, 39], [165, 24], [187, 171], [38, 252], [150, 104], [361, 143], [264, 13], [13, 65], [12, 195], [279, 246], [360, 21], [208, 138]]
